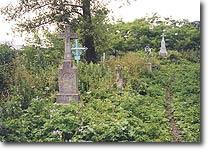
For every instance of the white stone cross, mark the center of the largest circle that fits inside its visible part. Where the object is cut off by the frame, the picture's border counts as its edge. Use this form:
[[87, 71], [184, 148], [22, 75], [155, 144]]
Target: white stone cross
[[163, 37], [163, 51]]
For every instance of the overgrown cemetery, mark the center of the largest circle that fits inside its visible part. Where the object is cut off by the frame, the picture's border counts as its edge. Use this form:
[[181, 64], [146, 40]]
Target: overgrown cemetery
[[93, 80]]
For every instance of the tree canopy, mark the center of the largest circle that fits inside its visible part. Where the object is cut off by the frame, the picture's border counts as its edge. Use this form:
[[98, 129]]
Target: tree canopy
[[34, 14]]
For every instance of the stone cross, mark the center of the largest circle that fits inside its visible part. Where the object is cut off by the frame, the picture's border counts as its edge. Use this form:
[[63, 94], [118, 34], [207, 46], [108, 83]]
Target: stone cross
[[67, 75], [163, 35], [77, 51], [67, 35], [163, 51]]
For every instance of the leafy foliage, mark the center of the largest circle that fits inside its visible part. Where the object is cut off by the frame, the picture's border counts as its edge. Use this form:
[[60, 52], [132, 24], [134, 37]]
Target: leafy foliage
[[137, 113], [132, 36], [105, 114], [7, 54]]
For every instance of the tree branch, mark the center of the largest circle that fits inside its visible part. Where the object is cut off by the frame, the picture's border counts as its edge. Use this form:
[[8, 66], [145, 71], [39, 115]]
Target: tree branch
[[79, 13], [73, 5]]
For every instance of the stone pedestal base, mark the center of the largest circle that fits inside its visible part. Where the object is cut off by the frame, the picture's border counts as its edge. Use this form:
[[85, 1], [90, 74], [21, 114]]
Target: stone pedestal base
[[67, 98], [68, 87], [163, 54], [149, 67]]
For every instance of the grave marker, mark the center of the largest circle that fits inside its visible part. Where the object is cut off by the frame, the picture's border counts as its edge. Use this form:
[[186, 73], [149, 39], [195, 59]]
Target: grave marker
[[163, 51], [77, 51], [148, 64], [119, 78], [67, 76]]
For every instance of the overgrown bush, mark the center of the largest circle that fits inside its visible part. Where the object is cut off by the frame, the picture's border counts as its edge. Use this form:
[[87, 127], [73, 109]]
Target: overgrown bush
[[105, 113], [7, 54]]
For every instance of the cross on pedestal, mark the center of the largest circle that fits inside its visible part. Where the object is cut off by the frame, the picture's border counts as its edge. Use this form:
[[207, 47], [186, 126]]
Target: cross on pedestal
[[163, 35], [163, 51], [77, 51], [67, 35], [67, 76]]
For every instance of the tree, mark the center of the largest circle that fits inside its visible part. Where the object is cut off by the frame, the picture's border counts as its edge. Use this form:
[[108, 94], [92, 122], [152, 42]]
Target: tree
[[88, 28], [55, 11], [7, 54], [181, 35], [32, 14]]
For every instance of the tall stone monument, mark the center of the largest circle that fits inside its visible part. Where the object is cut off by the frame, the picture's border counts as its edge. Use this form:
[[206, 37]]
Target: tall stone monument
[[163, 51], [148, 64], [119, 78], [67, 75]]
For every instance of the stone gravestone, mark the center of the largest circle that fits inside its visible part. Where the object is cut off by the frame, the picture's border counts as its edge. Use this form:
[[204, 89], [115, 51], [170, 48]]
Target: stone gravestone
[[77, 51], [148, 64], [119, 78], [67, 75], [163, 51]]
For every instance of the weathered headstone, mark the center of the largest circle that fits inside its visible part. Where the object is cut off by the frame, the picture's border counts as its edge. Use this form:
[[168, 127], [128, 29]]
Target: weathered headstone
[[163, 51], [67, 76], [149, 67], [119, 78], [77, 50], [148, 51], [148, 64]]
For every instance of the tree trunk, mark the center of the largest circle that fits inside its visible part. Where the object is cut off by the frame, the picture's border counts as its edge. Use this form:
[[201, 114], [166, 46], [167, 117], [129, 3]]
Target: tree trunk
[[91, 55]]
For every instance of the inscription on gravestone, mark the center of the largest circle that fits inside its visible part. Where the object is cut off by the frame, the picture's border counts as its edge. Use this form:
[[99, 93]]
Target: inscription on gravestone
[[67, 76]]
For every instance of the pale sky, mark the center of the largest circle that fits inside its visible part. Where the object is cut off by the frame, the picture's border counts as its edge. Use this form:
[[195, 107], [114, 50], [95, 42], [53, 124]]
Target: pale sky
[[178, 9]]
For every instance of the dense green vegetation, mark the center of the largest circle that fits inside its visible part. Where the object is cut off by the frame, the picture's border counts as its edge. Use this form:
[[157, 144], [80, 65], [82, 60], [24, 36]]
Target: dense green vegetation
[[133, 36], [105, 113], [6, 68]]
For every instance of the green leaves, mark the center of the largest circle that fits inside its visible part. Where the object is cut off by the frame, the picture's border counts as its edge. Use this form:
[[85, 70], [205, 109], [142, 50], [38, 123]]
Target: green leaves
[[7, 54], [105, 114], [133, 36]]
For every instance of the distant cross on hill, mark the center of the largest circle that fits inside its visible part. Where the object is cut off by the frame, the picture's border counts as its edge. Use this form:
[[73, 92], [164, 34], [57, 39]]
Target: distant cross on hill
[[163, 51]]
